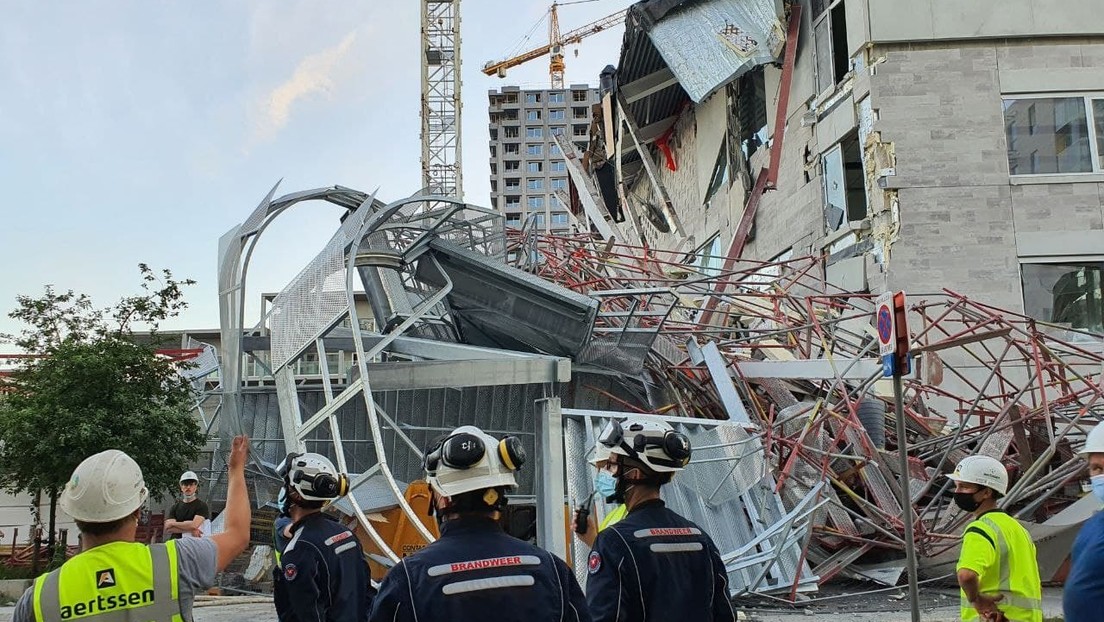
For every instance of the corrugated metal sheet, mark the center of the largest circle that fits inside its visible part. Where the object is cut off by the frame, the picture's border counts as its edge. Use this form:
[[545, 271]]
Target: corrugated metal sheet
[[708, 44]]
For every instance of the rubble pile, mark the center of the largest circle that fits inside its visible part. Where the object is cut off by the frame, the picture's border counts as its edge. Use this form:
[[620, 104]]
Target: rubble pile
[[773, 344]]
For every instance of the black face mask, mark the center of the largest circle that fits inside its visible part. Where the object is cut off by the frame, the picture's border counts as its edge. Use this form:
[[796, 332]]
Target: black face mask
[[966, 501]]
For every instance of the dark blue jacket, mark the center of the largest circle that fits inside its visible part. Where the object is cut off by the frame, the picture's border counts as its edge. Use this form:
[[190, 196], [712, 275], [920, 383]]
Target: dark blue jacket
[[325, 576], [656, 565], [475, 571], [1083, 594]]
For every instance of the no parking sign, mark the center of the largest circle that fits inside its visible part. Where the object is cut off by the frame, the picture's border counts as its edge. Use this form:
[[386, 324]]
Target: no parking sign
[[893, 337]]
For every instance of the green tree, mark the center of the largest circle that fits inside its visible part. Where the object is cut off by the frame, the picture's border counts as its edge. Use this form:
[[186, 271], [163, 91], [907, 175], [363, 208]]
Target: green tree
[[97, 385]]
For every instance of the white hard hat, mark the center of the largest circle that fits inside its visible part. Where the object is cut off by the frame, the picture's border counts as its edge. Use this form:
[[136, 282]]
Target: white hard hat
[[470, 459], [104, 488], [314, 477], [189, 476], [1095, 441], [983, 471], [650, 441]]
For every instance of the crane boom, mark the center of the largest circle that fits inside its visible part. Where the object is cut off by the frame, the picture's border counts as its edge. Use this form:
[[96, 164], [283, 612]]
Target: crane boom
[[554, 46]]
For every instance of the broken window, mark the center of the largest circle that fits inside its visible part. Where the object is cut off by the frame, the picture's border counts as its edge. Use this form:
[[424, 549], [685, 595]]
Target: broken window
[[844, 184], [751, 111], [1054, 135], [708, 257], [556, 97], [1065, 293], [720, 177], [830, 43]]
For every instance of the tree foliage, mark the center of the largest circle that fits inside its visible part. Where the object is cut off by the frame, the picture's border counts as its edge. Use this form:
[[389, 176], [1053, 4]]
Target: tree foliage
[[98, 385]]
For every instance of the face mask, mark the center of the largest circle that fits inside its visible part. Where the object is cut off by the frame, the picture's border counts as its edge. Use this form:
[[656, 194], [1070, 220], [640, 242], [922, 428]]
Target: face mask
[[966, 501], [188, 498], [1098, 486], [605, 484]]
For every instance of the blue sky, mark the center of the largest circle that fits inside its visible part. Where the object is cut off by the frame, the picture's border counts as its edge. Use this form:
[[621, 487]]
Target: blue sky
[[140, 131]]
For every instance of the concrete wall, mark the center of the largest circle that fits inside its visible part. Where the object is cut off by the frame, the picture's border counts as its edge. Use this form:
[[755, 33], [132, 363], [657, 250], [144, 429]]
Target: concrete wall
[[933, 20], [960, 212]]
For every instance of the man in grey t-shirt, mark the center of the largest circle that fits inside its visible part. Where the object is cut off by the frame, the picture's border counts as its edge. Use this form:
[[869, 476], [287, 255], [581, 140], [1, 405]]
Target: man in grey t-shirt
[[104, 497]]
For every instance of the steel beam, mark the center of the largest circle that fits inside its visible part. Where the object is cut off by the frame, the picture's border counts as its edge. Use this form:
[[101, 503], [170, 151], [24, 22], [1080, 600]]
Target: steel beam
[[551, 489], [473, 373]]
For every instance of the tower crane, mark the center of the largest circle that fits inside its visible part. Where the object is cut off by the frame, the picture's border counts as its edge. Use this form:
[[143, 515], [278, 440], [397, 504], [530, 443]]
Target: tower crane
[[554, 48], [441, 145]]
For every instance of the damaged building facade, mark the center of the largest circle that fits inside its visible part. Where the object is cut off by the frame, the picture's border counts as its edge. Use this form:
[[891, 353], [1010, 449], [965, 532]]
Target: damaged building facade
[[924, 144]]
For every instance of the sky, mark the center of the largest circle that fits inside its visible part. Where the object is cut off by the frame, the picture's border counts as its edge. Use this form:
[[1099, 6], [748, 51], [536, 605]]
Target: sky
[[140, 131]]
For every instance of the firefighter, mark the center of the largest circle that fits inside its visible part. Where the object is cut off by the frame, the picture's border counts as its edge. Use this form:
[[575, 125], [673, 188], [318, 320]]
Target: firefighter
[[997, 568], [652, 564], [325, 576], [475, 571]]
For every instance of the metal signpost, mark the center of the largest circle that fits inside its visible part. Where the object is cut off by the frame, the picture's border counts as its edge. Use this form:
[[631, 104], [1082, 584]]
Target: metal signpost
[[890, 317]]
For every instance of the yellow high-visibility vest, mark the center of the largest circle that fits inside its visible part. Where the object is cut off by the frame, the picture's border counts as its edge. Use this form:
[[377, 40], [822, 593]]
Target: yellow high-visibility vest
[[115, 582], [613, 516], [1015, 574]]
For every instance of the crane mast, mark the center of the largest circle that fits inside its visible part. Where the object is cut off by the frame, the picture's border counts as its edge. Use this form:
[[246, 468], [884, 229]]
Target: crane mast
[[441, 153]]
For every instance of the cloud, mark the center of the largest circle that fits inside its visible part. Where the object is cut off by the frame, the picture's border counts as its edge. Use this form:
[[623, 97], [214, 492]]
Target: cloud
[[313, 74]]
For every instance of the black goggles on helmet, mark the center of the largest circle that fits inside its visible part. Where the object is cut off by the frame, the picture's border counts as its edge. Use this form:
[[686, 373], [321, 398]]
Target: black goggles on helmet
[[635, 441]]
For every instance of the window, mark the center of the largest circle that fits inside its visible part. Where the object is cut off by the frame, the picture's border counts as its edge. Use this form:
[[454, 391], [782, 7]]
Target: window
[[533, 167], [557, 131], [751, 110], [708, 257], [579, 112], [494, 169], [511, 98], [513, 184], [513, 220], [578, 130], [844, 184], [513, 202], [494, 152], [510, 115], [511, 149], [1065, 293], [554, 150], [558, 167], [532, 115], [535, 184], [559, 218], [581, 146], [720, 178], [558, 184], [509, 132], [556, 97], [580, 96], [534, 132], [535, 202], [532, 98], [557, 115], [533, 150], [494, 134], [539, 220], [494, 185], [830, 43], [513, 165], [1054, 135]]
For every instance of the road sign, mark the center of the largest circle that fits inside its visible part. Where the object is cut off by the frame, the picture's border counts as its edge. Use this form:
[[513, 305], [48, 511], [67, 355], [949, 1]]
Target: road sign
[[884, 320]]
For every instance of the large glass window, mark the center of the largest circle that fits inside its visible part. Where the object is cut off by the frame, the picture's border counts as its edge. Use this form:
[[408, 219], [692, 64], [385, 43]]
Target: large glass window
[[558, 184], [1054, 135], [535, 184], [556, 97], [532, 98], [534, 132], [557, 115], [533, 167], [533, 150], [535, 202], [532, 115], [1065, 293], [559, 167]]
